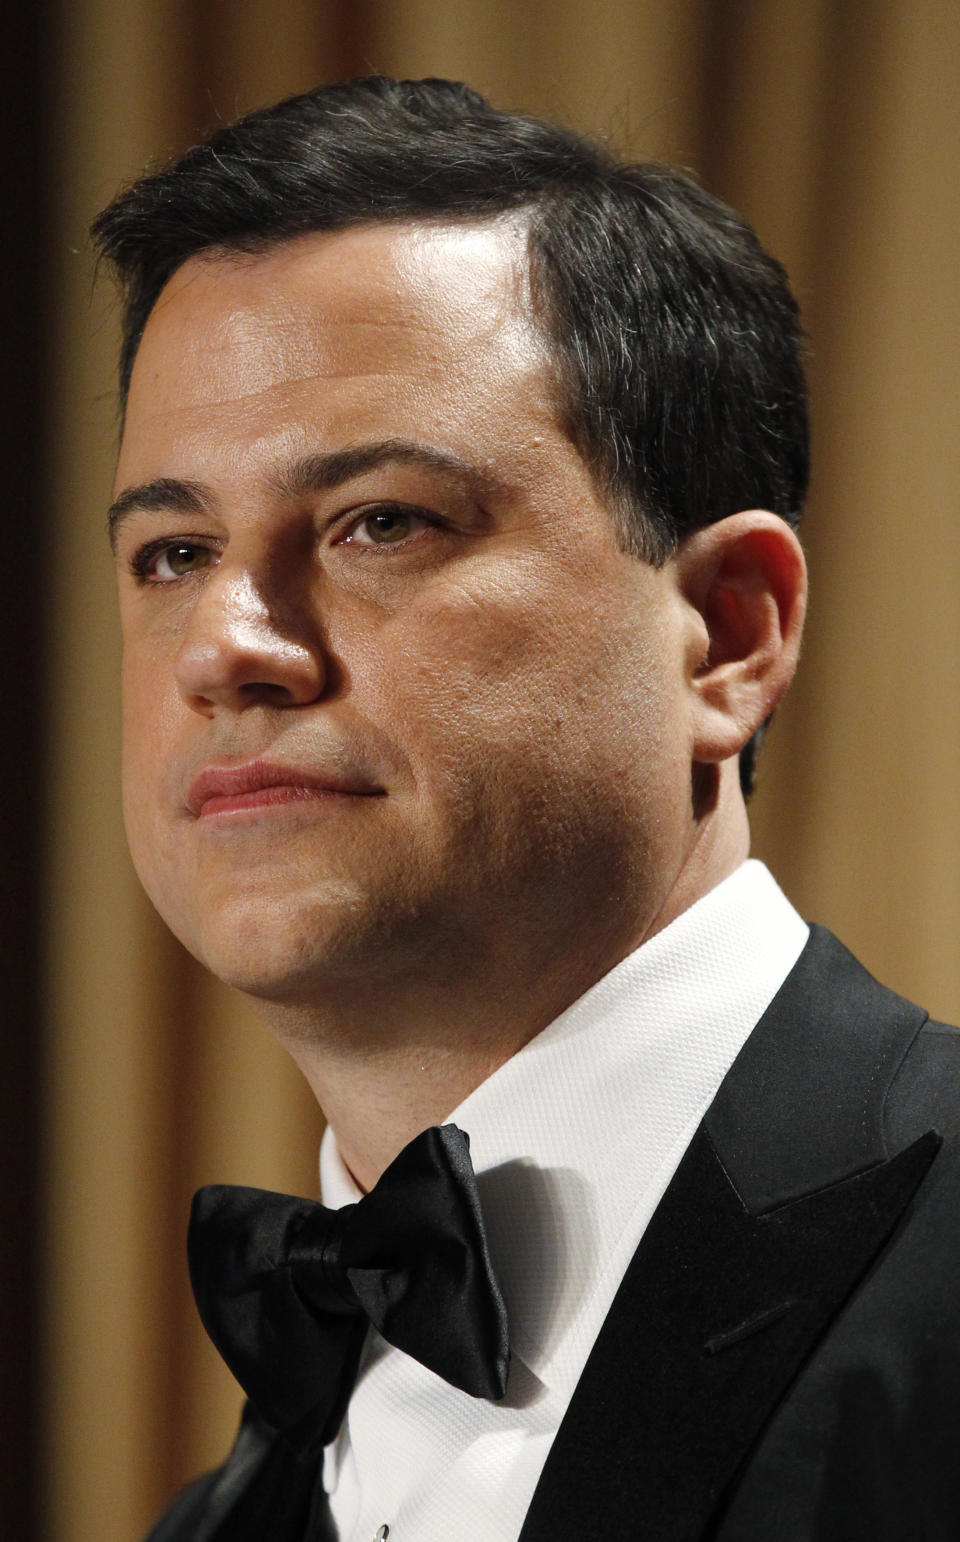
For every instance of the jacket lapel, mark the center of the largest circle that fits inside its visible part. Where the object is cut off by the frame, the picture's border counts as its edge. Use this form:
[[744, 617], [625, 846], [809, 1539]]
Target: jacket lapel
[[783, 1200]]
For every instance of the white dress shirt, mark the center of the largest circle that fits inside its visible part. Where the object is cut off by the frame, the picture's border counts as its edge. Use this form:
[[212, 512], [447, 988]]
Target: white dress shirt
[[574, 1141]]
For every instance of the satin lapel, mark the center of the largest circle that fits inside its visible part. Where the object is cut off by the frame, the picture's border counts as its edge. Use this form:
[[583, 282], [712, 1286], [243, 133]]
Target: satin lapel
[[715, 1316], [734, 1283]]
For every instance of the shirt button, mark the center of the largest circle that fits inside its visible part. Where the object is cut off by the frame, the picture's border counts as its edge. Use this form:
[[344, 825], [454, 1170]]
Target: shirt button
[[383, 1533]]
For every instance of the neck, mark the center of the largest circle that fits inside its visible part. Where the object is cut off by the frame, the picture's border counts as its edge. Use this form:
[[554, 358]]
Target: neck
[[381, 1058], [387, 1061]]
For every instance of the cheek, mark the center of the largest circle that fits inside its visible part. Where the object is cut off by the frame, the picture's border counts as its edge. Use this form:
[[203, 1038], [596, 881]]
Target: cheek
[[148, 713], [528, 685], [445, 666], [149, 720]]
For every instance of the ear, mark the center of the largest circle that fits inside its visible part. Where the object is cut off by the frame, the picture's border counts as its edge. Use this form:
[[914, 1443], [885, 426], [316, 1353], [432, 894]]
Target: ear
[[746, 581]]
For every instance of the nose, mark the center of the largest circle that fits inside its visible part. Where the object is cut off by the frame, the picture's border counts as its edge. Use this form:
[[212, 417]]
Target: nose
[[238, 653]]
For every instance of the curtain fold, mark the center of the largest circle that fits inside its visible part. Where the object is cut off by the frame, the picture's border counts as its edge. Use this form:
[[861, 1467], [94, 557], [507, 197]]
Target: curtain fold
[[835, 129]]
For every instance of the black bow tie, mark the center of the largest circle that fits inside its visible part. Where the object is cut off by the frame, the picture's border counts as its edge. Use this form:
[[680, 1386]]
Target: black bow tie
[[286, 1287]]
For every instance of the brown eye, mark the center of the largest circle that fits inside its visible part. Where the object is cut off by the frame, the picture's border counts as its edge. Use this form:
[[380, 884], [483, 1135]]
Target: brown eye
[[387, 526], [390, 524], [178, 560]]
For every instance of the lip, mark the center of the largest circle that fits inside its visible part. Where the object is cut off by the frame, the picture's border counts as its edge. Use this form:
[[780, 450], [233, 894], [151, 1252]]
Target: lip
[[261, 784]]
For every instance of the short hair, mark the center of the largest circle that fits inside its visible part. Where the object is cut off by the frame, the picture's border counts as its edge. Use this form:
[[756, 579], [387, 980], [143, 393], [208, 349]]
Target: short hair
[[674, 336]]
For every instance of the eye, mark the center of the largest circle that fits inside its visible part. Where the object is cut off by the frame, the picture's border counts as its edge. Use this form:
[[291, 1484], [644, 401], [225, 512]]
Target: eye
[[163, 562], [386, 526]]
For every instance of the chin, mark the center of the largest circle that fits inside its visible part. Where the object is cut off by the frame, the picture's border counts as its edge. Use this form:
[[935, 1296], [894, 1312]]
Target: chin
[[269, 980], [290, 951]]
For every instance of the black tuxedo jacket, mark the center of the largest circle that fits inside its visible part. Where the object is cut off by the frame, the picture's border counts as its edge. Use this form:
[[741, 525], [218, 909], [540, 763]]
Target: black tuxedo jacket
[[782, 1360]]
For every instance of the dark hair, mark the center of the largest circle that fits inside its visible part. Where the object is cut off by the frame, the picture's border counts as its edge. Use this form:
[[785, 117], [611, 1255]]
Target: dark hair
[[675, 337]]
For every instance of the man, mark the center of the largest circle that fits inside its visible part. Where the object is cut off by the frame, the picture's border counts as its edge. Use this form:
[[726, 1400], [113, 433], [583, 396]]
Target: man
[[454, 526]]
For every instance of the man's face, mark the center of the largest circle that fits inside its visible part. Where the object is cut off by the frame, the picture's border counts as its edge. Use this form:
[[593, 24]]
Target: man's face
[[395, 700]]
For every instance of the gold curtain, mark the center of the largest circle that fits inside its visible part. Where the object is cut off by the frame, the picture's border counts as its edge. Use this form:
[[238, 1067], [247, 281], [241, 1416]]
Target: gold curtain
[[834, 127]]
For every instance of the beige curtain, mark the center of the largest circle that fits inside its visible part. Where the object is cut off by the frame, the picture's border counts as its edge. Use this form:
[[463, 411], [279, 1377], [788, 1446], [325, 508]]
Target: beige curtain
[[834, 126]]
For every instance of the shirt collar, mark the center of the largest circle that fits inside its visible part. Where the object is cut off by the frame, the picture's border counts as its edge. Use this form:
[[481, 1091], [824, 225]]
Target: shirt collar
[[575, 1138]]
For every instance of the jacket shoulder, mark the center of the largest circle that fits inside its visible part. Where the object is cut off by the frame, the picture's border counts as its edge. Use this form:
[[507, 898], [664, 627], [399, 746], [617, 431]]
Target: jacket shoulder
[[926, 1086], [865, 1445]]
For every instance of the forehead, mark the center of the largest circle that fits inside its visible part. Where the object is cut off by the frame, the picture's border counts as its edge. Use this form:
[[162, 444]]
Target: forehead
[[349, 321]]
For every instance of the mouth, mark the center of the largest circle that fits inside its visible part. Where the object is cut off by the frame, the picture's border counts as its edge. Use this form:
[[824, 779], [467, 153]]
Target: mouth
[[260, 786]]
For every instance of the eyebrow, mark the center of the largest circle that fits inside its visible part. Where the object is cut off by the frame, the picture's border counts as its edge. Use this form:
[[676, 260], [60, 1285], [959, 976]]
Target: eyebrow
[[309, 474], [163, 493]]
